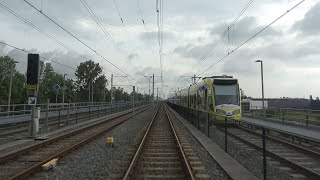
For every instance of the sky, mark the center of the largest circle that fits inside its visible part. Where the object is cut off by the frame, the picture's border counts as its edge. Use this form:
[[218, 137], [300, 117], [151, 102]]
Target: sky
[[193, 41]]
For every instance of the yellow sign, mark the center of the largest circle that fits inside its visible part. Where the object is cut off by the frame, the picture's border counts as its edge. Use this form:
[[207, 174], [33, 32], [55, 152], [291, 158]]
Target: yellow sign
[[109, 140], [31, 87]]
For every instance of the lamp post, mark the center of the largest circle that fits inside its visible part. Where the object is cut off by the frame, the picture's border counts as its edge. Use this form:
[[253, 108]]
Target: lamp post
[[64, 87], [10, 85], [263, 108]]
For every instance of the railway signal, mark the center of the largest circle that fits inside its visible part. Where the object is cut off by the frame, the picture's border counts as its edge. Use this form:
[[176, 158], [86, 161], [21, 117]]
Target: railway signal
[[32, 89]]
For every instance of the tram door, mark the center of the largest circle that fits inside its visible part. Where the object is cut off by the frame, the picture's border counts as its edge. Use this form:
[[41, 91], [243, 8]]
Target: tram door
[[205, 99]]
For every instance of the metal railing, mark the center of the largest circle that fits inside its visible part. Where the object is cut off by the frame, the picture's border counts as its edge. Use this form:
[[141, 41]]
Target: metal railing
[[18, 109], [307, 117], [65, 110]]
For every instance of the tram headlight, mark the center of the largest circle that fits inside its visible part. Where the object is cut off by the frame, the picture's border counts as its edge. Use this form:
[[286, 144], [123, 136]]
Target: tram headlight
[[236, 112], [219, 111]]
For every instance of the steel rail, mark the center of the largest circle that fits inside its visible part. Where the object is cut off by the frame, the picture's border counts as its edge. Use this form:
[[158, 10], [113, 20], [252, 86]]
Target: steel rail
[[135, 157], [138, 152], [305, 171], [34, 168], [186, 162], [299, 148]]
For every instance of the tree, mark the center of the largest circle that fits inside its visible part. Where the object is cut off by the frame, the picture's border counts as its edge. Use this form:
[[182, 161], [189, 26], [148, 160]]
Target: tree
[[310, 98], [49, 79], [18, 91], [99, 88], [89, 72]]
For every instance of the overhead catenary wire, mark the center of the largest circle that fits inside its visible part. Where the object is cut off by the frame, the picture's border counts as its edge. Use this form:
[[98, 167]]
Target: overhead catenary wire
[[107, 34], [100, 25], [207, 53], [254, 35], [79, 40], [123, 24], [26, 51], [44, 32], [40, 30], [145, 26]]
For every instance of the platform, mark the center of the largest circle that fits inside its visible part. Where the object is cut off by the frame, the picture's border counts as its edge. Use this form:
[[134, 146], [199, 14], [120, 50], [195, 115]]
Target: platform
[[309, 132]]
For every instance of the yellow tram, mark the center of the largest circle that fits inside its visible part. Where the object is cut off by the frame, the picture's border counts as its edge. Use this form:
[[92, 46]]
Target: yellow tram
[[218, 95]]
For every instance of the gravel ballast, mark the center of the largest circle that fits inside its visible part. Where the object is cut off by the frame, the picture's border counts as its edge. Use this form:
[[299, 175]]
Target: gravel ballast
[[95, 160], [213, 168], [248, 157]]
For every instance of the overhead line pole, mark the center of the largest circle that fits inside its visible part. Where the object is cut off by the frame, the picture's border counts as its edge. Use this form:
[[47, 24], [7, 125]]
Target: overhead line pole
[[111, 94], [153, 89]]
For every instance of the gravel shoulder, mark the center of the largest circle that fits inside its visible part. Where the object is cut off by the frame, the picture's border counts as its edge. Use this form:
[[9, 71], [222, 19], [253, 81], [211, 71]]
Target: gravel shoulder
[[96, 160]]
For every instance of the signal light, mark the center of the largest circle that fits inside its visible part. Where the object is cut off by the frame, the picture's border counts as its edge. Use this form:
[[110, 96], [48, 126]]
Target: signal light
[[33, 69]]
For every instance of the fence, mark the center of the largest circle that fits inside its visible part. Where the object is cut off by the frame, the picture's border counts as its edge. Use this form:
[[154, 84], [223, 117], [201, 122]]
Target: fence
[[231, 140], [19, 109], [69, 110], [307, 117]]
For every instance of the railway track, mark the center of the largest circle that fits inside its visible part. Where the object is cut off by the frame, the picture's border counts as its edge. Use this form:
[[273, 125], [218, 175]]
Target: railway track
[[299, 162], [23, 162], [161, 154]]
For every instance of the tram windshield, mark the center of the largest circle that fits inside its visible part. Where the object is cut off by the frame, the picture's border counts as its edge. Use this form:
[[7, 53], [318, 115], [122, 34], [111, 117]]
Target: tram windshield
[[226, 94]]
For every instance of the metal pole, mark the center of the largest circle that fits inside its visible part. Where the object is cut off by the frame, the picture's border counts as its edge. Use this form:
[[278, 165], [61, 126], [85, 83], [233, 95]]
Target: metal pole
[[208, 124], [111, 94], [47, 116], [104, 95], [264, 110], [64, 87], [57, 96], [264, 154], [133, 100], [225, 135], [68, 113], [89, 113], [10, 88], [149, 90], [92, 91], [59, 119], [89, 91], [152, 89]]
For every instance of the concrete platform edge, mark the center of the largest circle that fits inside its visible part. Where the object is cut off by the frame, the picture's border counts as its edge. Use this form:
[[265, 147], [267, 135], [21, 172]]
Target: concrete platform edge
[[232, 167]]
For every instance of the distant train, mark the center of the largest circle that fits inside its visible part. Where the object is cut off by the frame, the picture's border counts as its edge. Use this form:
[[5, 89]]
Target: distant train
[[218, 95]]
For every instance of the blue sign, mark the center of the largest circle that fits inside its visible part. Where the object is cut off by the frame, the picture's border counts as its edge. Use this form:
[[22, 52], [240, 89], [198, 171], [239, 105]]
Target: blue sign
[[202, 88], [56, 87]]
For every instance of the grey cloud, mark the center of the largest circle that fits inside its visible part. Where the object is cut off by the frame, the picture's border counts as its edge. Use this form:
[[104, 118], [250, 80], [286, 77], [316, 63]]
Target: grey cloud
[[197, 52], [243, 29], [154, 35], [309, 25], [131, 56]]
